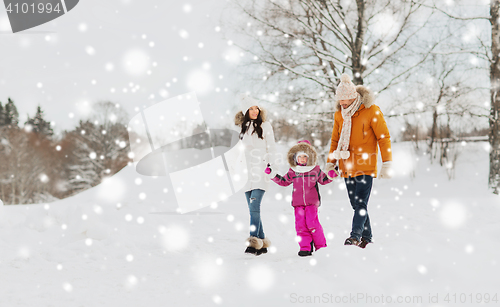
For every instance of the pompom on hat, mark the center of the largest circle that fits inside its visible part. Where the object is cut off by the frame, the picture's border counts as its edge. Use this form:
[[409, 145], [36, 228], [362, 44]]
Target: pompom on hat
[[247, 102], [346, 89]]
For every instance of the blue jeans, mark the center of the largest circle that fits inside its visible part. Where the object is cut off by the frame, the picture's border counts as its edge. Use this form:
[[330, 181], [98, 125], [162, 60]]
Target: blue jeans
[[254, 197], [358, 189]]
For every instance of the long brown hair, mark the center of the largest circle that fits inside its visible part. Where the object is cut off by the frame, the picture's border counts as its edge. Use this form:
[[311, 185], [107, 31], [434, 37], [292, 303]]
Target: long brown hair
[[256, 125]]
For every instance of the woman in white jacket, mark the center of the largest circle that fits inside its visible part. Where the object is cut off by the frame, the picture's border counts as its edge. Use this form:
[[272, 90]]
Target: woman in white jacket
[[260, 150]]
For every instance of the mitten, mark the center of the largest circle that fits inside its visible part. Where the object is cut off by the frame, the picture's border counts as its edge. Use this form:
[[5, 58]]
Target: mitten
[[270, 172], [386, 171], [332, 170], [332, 174]]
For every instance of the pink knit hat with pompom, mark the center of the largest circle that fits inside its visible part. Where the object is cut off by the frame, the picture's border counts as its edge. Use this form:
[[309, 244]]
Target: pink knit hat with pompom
[[346, 89]]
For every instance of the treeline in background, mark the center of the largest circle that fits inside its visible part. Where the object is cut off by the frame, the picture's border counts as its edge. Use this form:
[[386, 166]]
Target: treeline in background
[[37, 166]]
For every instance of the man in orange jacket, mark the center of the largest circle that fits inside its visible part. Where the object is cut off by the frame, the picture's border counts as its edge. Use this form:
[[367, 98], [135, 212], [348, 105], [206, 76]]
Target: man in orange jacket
[[359, 129]]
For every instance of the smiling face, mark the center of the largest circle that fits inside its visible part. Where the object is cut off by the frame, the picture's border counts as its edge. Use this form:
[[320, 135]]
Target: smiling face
[[302, 159], [346, 103], [253, 112]]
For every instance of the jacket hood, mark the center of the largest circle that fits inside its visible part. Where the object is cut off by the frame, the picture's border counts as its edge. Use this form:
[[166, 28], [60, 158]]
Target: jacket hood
[[308, 149], [240, 117], [367, 97]]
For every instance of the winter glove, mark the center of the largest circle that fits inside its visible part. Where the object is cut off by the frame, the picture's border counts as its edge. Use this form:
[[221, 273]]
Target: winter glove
[[386, 171], [332, 170]]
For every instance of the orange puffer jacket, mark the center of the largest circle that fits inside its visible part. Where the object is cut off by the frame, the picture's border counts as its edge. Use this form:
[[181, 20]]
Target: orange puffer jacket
[[369, 129]]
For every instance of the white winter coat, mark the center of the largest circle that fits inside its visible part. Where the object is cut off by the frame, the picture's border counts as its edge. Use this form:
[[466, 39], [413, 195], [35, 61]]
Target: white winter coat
[[258, 153]]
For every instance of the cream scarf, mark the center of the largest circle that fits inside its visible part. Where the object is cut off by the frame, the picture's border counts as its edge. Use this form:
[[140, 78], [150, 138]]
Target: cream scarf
[[345, 136]]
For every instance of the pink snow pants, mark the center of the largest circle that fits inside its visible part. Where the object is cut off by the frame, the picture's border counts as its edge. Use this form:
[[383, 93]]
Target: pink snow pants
[[308, 228]]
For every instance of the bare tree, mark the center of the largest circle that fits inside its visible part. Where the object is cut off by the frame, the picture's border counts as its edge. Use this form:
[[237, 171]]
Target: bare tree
[[29, 171], [99, 146], [299, 48], [488, 49], [318, 40], [494, 120], [441, 89]]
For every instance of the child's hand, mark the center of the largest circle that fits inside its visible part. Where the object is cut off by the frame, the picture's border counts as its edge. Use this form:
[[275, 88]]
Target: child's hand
[[332, 170], [332, 174], [268, 169]]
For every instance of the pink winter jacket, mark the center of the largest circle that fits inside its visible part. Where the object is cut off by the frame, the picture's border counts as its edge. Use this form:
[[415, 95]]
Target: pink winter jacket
[[305, 179], [305, 185]]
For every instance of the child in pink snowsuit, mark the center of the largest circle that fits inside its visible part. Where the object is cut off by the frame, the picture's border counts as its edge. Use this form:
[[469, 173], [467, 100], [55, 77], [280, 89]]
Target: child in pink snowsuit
[[305, 176]]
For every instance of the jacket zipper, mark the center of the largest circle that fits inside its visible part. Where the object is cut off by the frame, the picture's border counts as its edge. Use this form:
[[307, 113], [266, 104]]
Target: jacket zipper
[[304, 188]]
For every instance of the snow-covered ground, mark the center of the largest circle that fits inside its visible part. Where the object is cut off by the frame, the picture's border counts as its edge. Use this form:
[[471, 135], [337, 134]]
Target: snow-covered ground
[[123, 244]]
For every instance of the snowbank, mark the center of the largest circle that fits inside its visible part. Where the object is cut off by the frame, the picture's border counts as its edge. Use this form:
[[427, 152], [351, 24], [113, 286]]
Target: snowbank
[[123, 244]]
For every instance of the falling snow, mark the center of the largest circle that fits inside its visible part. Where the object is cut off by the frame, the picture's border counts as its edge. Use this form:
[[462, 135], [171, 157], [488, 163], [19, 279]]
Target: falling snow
[[124, 241], [423, 240]]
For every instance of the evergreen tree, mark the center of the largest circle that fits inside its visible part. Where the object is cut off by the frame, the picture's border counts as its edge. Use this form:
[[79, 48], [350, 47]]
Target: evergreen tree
[[85, 167], [2, 115], [39, 124], [100, 147], [11, 114]]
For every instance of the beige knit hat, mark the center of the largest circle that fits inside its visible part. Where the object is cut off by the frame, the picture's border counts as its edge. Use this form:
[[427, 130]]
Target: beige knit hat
[[346, 89]]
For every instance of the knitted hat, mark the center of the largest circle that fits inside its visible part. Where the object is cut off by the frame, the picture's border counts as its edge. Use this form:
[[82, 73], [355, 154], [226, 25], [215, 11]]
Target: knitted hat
[[247, 102], [346, 89]]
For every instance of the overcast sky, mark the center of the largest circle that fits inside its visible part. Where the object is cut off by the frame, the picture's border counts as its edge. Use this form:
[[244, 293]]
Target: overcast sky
[[135, 53], [131, 52]]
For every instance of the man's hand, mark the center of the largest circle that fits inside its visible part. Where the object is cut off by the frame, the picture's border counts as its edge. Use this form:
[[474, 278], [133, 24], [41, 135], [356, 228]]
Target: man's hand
[[386, 171]]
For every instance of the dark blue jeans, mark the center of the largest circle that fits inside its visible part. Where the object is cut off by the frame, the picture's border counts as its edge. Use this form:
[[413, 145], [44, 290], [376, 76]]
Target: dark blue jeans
[[358, 189], [254, 197]]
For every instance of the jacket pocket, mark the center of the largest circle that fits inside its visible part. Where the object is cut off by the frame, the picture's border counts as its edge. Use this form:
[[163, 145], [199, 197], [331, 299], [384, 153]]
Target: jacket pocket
[[358, 134]]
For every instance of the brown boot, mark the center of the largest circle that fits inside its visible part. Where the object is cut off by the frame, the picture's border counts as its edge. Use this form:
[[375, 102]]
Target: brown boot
[[364, 243], [351, 241]]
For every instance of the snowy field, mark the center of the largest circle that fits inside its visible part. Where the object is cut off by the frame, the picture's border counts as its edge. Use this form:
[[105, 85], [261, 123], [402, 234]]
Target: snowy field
[[123, 244]]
